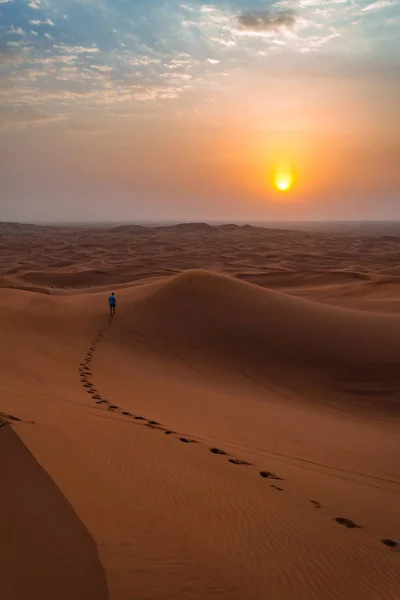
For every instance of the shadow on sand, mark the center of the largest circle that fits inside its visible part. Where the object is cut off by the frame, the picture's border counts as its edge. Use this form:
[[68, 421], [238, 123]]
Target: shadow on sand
[[45, 550]]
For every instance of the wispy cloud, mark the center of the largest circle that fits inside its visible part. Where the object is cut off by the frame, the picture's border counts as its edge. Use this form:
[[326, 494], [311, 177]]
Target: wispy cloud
[[16, 31], [96, 52], [103, 68], [39, 22], [77, 49], [379, 5]]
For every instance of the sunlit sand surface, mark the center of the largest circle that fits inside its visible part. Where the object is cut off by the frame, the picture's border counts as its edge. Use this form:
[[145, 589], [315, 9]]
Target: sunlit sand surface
[[233, 432]]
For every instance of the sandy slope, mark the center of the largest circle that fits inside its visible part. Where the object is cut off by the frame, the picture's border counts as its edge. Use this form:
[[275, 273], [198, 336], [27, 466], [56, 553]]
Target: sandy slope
[[297, 388]]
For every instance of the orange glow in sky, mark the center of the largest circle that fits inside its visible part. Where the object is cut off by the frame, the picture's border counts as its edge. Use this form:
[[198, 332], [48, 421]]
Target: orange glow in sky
[[266, 119]]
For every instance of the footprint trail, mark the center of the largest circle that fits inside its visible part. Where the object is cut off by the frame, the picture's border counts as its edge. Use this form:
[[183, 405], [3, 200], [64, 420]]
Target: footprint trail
[[86, 376]]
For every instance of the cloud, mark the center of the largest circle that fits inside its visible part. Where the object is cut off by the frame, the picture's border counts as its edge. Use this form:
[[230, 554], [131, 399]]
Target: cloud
[[16, 31], [266, 20], [143, 60], [103, 68], [38, 22], [48, 60], [65, 59], [77, 49], [377, 5], [34, 4]]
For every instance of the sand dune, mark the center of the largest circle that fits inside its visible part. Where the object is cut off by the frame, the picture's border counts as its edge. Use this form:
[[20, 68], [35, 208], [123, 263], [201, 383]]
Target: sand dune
[[267, 335], [315, 263], [230, 434]]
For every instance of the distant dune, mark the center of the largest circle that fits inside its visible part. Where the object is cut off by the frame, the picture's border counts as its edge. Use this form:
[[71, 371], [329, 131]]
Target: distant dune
[[233, 432], [312, 263]]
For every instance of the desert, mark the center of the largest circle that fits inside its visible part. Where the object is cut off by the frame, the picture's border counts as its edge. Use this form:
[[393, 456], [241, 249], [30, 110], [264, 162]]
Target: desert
[[233, 431]]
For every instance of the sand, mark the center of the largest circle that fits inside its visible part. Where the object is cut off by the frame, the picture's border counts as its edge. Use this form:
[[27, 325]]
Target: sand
[[233, 432]]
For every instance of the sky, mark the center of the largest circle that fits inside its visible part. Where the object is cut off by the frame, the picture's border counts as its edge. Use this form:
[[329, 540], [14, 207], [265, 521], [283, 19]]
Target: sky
[[114, 110]]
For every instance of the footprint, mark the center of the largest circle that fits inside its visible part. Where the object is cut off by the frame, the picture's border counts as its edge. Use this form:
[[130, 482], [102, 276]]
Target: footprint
[[315, 503], [186, 441], [269, 475], [139, 418], [347, 523], [390, 543], [168, 432], [278, 489], [126, 413], [217, 451], [237, 461], [112, 407], [153, 423]]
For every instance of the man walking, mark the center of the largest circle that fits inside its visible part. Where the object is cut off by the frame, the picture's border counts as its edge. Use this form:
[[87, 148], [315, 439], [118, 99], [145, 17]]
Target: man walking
[[113, 303]]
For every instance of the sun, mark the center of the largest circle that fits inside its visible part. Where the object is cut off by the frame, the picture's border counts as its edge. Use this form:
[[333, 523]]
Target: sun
[[283, 180]]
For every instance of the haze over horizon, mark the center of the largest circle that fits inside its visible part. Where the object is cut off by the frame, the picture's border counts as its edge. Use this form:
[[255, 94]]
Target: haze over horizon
[[184, 110]]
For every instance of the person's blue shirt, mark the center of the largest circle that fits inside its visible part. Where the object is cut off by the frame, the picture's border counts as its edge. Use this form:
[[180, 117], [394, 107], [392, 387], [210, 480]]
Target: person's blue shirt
[[112, 300]]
